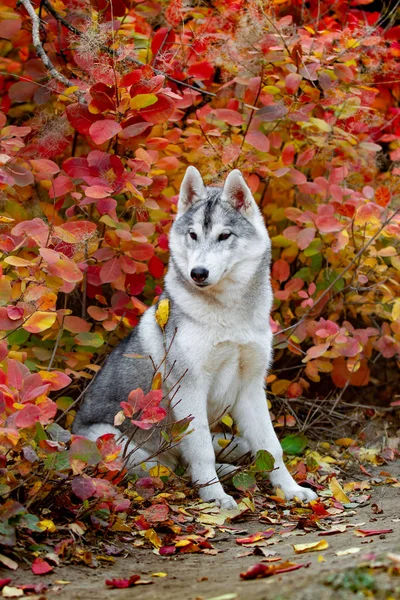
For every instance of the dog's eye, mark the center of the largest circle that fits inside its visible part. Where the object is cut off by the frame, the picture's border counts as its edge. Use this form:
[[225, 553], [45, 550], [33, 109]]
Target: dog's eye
[[224, 236], [193, 235]]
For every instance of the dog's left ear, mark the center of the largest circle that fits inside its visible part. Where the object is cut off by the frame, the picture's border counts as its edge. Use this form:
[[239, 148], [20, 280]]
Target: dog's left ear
[[192, 190], [237, 193]]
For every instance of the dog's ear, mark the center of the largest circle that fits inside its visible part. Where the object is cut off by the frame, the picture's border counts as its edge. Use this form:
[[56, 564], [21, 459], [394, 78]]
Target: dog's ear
[[192, 190], [237, 193]]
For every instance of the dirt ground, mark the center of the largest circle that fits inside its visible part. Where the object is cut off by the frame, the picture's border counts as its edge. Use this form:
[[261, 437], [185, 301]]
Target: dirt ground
[[204, 577]]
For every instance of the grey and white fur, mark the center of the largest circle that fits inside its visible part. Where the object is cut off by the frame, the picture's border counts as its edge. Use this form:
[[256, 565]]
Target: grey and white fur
[[218, 284]]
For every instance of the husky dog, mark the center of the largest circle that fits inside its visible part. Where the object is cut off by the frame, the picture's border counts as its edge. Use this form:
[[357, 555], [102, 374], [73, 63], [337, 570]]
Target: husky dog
[[218, 285]]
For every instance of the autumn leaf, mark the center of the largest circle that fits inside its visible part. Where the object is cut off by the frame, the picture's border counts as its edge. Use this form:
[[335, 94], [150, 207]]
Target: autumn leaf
[[310, 547], [41, 567], [104, 130], [162, 312]]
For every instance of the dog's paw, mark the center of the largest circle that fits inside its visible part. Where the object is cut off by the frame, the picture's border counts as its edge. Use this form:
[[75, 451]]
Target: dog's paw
[[226, 503], [301, 493]]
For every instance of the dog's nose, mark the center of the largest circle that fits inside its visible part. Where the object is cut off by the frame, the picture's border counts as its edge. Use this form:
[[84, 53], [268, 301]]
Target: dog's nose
[[199, 274]]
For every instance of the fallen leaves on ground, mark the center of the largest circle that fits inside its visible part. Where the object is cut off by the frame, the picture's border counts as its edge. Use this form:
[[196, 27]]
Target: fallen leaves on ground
[[261, 570]]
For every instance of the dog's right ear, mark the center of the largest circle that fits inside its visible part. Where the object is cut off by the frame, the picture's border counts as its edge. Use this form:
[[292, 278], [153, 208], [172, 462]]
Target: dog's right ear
[[192, 190]]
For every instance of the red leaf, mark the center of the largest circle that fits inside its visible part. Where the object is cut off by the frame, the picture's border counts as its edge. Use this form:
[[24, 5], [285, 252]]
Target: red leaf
[[105, 130], [110, 271], [28, 416], [41, 567], [131, 78], [134, 284], [163, 38], [142, 251], [317, 351], [156, 267], [232, 117], [160, 111], [258, 140], [83, 487], [280, 270], [122, 583], [167, 550], [292, 82], [266, 570], [156, 513], [305, 237], [81, 119], [328, 224], [61, 186], [256, 537], [370, 532], [133, 130], [102, 97], [201, 70], [150, 416], [344, 73]]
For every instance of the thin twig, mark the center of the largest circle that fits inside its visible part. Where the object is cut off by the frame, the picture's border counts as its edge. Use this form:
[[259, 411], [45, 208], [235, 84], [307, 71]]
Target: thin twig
[[39, 48]]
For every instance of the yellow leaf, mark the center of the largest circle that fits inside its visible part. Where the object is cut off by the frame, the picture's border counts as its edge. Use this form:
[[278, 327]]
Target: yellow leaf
[[4, 219], [223, 443], [280, 386], [157, 381], [162, 313], [310, 547], [227, 420], [159, 574], [39, 321], [321, 558], [142, 100], [396, 310], [47, 525], [321, 124], [153, 538], [16, 261], [183, 543], [159, 471], [345, 442], [338, 491]]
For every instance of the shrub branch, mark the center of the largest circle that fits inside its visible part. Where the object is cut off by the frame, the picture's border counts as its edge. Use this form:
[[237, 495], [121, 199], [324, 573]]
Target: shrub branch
[[39, 47]]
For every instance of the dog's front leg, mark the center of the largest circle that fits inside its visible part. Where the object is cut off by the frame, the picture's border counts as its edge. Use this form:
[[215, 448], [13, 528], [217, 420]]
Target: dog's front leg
[[197, 448], [254, 422]]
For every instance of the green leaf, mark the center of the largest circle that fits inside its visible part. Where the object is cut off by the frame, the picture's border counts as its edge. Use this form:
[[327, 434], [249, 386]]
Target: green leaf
[[19, 337], [316, 263], [58, 433], [86, 451], [314, 248], [245, 482], [330, 276], [294, 443], [142, 101], [59, 461], [264, 461], [304, 274], [91, 340]]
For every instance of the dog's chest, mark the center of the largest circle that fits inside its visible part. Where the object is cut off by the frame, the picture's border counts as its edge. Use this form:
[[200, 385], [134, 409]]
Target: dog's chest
[[231, 365]]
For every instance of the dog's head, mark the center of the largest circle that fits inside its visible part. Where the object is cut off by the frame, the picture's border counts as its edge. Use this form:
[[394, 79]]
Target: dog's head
[[218, 231]]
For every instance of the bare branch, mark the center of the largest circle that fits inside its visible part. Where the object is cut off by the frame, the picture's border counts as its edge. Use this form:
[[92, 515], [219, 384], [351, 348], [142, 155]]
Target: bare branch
[[39, 48]]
